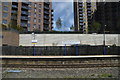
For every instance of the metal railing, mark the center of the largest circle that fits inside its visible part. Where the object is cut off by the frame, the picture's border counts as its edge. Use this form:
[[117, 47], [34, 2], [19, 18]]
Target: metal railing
[[60, 50]]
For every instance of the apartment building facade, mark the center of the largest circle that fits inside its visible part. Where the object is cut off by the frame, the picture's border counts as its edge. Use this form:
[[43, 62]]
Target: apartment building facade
[[108, 15], [30, 15], [83, 15]]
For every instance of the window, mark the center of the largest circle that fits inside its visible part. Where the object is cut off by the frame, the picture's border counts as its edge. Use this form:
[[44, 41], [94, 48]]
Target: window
[[14, 0], [34, 19], [29, 18], [5, 3], [39, 15], [39, 20], [81, 23], [39, 5], [89, 11], [30, 3], [35, 5], [29, 13], [81, 11], [81, 14], [89, 8], [29, 8], [39, 26], [34, 26], [81, 20], [28, 25], [35, 10], [89, 14], [80, 4], [4, 22], [34, 14], [5, 14], [5, 8], [39, 10], [28, 28], [81, 17]]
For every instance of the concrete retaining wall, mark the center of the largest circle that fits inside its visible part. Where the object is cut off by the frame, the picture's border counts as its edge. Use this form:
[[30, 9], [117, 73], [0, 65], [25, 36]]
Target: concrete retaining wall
[[57, 39]]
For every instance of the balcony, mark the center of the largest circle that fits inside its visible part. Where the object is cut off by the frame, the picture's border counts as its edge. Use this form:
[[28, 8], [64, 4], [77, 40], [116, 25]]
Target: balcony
[[81, 15], [51, 18], [89, 9], [52, 15], [52, 10], [80, 4], [46, 8], [46, 12], [88, 2], [14, 6], [46, 28], [88, 5], [25, 3], [24, 18], [46, 17], [24, 24], [81, 23], [14, 12], [81, 11], [24, 12], [80, 8], [13, 18], [51, 22], [46, 22], [89, 15], [47, 3], [25, 7]]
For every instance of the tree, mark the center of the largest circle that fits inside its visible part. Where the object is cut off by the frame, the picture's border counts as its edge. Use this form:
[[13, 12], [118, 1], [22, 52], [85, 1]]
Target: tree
[[4, 26], [95, 26], [72, 27], [11, 25], [59, 23]]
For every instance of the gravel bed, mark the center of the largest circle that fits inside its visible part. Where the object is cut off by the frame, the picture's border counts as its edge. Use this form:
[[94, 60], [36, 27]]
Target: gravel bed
[[105, 72]]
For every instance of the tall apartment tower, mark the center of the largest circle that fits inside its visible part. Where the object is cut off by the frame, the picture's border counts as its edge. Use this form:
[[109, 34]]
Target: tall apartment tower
[[83, 14], [32, 16], [108, 15]]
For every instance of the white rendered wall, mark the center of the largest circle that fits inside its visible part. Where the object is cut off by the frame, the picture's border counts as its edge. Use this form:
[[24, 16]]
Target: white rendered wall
[[57, 39]]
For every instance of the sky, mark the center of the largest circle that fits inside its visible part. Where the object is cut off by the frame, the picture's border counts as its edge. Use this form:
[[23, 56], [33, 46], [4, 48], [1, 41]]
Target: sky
[[64, 10]]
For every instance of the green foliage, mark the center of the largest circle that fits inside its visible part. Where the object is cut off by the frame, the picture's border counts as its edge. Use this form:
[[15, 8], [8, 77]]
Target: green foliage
[[19, 28], [96, 26], [105, 75], [21, 46], [72, 27], [37, 30], [59, 23], [4, 26]]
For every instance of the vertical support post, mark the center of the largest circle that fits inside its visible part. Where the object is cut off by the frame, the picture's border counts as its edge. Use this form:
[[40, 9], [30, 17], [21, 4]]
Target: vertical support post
[[34, 50], [104, 51], [76, 49], [65, 50]]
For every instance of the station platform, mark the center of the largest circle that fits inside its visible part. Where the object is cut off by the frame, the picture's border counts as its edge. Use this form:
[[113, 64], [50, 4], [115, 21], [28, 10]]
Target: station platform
[[45, 57]]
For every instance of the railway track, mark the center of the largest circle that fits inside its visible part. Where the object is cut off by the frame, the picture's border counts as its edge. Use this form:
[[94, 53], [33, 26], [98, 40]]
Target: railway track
[[59, 62], [61, 66]]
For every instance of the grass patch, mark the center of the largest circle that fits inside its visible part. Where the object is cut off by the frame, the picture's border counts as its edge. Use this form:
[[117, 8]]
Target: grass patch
[[105, 75]]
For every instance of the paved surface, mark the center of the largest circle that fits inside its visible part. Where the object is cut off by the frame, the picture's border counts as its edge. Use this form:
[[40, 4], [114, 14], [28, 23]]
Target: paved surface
[[108, 72]]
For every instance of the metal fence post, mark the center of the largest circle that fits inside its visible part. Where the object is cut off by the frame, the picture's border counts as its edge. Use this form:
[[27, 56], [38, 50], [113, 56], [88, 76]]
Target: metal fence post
[[65, 50], [76, 49]]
